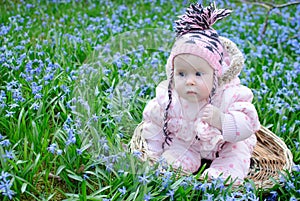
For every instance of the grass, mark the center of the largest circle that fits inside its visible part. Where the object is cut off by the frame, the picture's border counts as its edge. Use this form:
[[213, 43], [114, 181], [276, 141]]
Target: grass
[[76, 75]]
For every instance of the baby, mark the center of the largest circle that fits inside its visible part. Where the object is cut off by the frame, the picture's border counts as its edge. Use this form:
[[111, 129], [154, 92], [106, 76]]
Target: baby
[[202, 111]]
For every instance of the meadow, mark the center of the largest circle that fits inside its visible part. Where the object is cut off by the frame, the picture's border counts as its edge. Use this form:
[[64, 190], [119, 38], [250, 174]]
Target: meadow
[[75, 76]]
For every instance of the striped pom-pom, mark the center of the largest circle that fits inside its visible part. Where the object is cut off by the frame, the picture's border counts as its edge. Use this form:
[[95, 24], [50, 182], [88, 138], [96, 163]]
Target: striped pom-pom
[[198, 17]]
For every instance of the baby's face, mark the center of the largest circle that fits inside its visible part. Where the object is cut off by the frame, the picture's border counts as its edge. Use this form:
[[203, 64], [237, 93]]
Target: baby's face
[[193, 77]]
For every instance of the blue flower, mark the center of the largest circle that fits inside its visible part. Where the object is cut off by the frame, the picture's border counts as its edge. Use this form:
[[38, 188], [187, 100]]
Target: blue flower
[[65, 89], [5, 143], [8, 154], [143, 179], [165, 183], [147, 197], [290, 185], [137, 154], [52, 148], [14, 105], [249, 187], [122, 190], [85, 176], [71, 139], [9, 113], [2, 99], [35, 88], [184, 184], [4, 29], [296, 168], [35, 106], [12, 85], [5, 189], [58, 151], [103, 140], [109, 167], [209, 197], [5, 185], [17, 95], [273, 196], [197, 185], [171, 194], [4, 176], [293, 198], [105, 147], [95, 117], [78, 151], [283, 128], [114, 158]]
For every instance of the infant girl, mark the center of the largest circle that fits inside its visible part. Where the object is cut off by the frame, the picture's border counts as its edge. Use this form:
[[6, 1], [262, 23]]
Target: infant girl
[[202, 111]]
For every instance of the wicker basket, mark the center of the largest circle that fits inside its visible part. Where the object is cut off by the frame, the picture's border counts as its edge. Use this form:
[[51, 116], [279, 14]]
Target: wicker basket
[[270, 157]]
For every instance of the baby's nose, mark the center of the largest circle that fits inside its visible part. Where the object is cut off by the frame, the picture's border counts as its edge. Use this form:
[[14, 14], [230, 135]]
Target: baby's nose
[[190, 80]]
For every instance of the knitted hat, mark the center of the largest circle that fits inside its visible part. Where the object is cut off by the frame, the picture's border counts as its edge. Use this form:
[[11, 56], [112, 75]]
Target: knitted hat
[[196, 36]]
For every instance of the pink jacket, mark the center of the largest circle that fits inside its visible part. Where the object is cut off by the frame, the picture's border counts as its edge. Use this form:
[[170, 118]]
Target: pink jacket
[[240, 122]]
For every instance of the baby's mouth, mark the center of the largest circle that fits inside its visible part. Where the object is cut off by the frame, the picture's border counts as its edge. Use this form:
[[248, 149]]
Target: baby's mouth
[[191, 92]]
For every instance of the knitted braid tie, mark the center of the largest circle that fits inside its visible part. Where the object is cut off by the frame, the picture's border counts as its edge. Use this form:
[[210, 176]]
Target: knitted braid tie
[[213, 91], [166, 131]]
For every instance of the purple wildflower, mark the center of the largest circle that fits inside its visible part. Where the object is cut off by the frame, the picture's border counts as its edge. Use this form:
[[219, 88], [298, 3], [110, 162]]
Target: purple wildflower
[[147, 197], [143, 179], [122, 190]]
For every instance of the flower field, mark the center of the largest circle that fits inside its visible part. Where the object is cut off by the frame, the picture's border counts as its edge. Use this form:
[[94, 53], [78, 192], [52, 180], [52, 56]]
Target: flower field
[[75, 76]]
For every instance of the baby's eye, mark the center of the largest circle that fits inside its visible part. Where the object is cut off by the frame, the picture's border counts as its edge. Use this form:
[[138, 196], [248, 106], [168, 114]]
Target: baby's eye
[[198, 73], [181, 74]]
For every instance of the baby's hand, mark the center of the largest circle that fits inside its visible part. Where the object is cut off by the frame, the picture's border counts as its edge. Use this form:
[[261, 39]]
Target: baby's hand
[[213, 116]]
